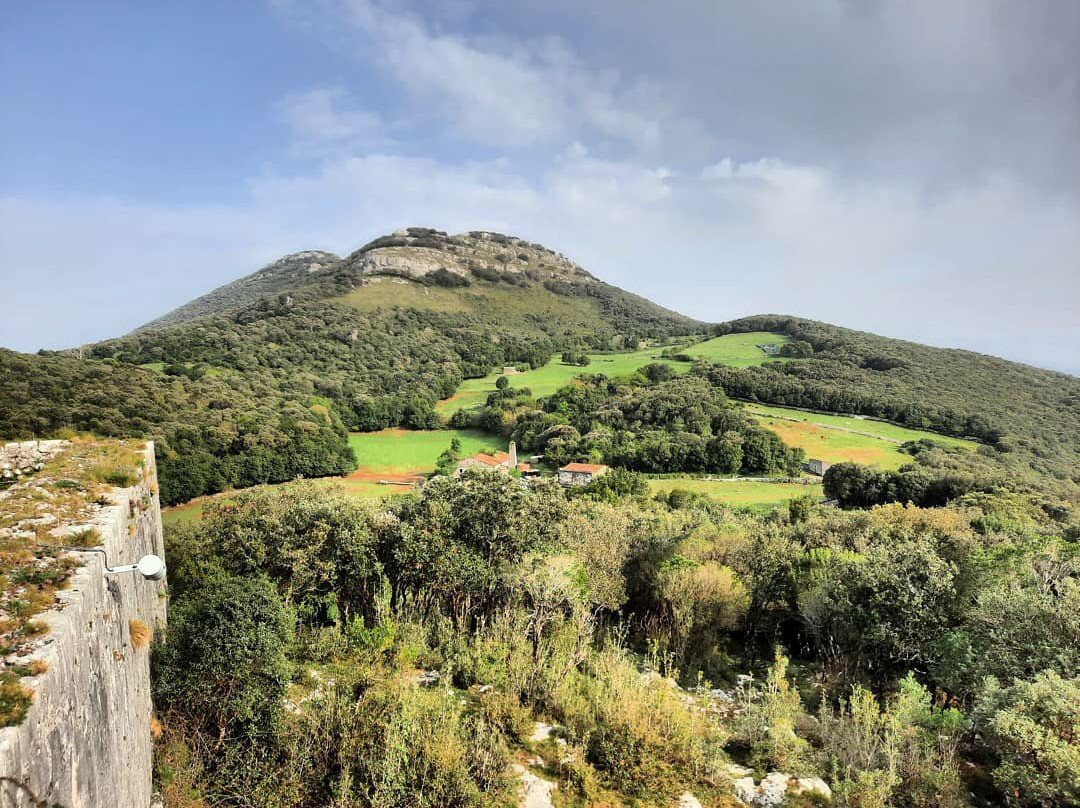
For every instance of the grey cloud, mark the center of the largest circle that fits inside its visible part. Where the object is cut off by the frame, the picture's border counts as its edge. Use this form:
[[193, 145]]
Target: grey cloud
[[946, 90]]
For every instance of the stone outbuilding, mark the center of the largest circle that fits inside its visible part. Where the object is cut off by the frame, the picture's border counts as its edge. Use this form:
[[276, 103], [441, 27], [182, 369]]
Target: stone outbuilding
[[581, 473]]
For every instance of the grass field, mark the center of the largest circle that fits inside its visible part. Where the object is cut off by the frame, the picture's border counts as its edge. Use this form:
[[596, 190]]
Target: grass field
[[880, 429], [833, 438], [740, 492], [546, 380], [739, 350], [735, 349], [392, 454], [402, 451]]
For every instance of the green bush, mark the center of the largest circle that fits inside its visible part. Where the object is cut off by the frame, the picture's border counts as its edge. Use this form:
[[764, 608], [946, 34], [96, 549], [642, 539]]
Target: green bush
[[224, 666], [1033, 728]]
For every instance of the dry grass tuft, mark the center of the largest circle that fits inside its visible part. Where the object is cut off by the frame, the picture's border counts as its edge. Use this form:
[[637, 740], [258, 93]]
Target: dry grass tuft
[[141, 634]]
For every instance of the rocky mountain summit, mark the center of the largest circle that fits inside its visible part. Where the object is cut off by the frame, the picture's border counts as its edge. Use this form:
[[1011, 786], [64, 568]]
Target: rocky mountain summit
[[431, 258], [417, 252]]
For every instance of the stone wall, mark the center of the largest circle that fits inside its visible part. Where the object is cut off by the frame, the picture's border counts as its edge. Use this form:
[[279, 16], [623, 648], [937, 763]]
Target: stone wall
[[86, 742]]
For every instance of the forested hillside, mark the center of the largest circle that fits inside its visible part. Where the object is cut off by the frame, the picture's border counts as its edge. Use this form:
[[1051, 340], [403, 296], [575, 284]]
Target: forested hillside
[[327, 650], [1016, 409]]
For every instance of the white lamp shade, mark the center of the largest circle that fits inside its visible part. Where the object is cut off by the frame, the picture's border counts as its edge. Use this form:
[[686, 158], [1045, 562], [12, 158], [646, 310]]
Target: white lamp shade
[[152, 567]]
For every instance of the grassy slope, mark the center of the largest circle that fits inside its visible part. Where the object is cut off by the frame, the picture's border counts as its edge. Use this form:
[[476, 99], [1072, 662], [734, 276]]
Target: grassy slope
[[739, 492], [836, 446], [739, 350], [1038, 410], [401, 451], [546, 380], [510, 303], [734, 349], [882, 429]]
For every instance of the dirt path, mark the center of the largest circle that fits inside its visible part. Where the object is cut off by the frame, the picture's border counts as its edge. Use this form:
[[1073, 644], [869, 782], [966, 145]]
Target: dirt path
[[368, 476]]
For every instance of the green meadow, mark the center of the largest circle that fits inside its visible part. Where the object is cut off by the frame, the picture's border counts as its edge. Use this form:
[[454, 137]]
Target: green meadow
[[547, 379], [734, 349], [739, 350], [743, 493], [403, 451], [400, 455], [839, 438], [881, 429]]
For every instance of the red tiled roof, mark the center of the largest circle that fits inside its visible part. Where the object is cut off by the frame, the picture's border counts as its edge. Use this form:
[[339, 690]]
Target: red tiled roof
[[523, 467], [591, 468]]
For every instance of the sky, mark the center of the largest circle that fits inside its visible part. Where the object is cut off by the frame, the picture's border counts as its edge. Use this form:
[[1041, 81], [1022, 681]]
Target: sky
[[906, 167]]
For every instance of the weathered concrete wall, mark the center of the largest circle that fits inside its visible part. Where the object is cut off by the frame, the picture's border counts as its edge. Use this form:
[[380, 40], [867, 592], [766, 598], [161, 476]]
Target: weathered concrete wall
[[85, 742]]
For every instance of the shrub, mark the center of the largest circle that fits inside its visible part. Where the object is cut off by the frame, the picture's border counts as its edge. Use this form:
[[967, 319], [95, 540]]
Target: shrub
[[902, 752], [15, 700], [224, 666], [768, 719], [1032, 726], [637, 730], [117, 476]]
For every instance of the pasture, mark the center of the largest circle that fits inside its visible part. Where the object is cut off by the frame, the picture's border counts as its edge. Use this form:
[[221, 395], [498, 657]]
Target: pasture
[[839, 438], [742, 493], [546, 380], [880, 429], [392, 453], [400, 455], [734, 349], [739, 350]]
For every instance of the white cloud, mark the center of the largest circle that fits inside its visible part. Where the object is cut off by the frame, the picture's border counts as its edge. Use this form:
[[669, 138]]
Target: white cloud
[[323, 117], [518, 91]]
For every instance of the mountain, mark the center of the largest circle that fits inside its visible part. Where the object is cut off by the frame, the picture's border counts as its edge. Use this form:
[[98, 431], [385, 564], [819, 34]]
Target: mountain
[[261, 379], [490, 275], [285, 273]]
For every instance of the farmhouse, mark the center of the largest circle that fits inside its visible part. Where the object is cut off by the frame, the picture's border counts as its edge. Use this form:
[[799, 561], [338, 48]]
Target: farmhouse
[[818, 467], [496, 461], [580, 473]]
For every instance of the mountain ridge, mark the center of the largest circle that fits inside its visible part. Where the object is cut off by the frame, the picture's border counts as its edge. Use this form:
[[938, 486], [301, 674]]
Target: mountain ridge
[[277, 276]]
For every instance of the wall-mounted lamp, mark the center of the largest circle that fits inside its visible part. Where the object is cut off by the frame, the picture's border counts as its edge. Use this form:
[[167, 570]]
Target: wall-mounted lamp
[[151, 567]]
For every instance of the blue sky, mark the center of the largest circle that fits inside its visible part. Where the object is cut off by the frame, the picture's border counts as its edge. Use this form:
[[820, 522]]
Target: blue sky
[[907, 168]]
